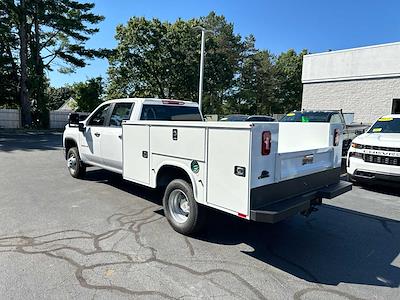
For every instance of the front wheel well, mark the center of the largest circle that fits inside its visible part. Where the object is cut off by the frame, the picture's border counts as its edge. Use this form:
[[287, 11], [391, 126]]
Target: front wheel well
[[168, 173], [68, 144]]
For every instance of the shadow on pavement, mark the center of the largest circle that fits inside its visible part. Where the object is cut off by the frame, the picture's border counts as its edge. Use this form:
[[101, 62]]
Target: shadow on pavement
[[29, 141], [388, 188], [332, 246]]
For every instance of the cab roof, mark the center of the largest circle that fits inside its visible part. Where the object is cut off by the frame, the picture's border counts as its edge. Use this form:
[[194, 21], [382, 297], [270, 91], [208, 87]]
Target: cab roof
[[154, 101], [393, 116]]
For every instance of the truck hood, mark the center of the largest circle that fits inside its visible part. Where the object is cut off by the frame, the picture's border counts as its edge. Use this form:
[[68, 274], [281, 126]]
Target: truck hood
[[379, 139]]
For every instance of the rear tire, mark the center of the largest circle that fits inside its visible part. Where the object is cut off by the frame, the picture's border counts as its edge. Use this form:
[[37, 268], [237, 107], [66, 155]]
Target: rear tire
[[183, 213], [74, 164]]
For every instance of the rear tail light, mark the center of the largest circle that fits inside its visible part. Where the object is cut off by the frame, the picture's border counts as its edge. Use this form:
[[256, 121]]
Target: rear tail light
[[266, 143], [336, 138]]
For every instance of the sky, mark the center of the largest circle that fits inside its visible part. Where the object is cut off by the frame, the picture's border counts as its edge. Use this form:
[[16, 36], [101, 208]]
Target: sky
[[278, 25]]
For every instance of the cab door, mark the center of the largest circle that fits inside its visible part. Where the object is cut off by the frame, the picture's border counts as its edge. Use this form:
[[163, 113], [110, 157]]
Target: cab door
[[111, 138], [91, 137]]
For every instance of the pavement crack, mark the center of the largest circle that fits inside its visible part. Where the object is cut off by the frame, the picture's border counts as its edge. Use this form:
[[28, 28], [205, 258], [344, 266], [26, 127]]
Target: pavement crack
[[101, 252], [189, 245]]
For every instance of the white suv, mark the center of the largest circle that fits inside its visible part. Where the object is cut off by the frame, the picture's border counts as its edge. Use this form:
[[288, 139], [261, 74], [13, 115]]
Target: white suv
[[376, 153]]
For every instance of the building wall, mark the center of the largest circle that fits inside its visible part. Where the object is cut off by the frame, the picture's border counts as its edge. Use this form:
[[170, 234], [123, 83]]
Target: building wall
[[59, 118], [378, 61], [368, 99]]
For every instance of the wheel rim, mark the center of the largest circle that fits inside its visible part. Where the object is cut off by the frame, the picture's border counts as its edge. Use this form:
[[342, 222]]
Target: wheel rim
[[179, 206], [72, 163]]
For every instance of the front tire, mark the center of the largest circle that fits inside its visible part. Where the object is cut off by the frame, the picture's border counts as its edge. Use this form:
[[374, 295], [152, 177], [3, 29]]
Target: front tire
[[75, 166], [181, 209]]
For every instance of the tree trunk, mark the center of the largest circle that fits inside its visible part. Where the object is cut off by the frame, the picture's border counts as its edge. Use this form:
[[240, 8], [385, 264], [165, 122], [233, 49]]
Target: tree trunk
[[23, 53], [14, 72], [39, 72]]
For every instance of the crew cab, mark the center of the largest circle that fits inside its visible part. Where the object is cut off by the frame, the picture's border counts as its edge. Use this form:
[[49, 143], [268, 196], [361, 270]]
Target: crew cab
[[261, 171], [350, 131], [375, 155]]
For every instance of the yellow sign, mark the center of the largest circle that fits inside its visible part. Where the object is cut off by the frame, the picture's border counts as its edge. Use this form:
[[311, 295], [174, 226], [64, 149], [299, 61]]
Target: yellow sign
[[377, 130], [385, 119], [291, 114]]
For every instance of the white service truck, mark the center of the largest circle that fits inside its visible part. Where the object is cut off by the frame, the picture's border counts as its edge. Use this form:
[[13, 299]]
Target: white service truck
[[257, 171]]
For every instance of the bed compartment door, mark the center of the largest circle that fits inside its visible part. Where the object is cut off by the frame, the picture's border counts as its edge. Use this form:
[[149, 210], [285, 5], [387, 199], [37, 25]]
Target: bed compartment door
[[228, 149], [136, 153]]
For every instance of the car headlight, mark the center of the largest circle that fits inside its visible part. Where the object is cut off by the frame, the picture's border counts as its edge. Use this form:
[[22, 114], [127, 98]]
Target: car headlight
[[357, 146]]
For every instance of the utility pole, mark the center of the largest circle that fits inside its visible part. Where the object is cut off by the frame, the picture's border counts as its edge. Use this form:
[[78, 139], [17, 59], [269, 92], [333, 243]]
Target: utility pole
[[203, 42]]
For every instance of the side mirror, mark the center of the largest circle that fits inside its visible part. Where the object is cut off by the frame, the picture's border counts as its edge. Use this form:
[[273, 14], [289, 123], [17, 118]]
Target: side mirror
[[360, 131], [81, 127], [73, 119]]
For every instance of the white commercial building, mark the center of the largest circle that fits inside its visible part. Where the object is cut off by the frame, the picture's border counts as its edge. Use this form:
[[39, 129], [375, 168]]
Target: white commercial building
[[364, 81]]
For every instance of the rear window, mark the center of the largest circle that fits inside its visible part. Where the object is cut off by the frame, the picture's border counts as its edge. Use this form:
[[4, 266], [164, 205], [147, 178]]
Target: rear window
[[386, 125], [170, 113], [299, 116]]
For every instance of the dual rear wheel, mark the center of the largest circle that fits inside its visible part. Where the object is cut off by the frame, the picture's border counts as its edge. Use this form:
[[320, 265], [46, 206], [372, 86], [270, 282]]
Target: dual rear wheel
[[183, 213]]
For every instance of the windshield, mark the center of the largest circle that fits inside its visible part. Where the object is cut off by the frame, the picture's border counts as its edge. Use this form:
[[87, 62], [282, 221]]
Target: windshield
[[386, 125], [170, 113], [235, 118], [298, 116]]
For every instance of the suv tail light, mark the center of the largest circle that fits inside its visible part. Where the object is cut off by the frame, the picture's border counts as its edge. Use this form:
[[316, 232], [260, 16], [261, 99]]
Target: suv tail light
[[336, 137], [266, 143]]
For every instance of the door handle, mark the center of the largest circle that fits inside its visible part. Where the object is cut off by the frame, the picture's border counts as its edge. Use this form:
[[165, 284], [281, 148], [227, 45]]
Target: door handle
[[120, 136], [97, 134]]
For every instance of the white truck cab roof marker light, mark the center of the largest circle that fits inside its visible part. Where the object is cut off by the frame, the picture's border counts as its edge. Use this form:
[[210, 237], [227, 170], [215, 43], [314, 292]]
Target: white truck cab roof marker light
[[173, 102]]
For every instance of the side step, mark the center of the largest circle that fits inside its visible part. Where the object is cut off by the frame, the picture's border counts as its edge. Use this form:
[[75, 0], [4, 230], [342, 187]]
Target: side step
[[286, 208]]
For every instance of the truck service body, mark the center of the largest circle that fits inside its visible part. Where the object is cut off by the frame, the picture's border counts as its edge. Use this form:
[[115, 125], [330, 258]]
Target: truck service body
[[350, 131], [254, 170]]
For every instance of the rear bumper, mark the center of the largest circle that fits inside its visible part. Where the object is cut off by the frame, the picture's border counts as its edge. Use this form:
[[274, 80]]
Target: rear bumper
[[285, 208]]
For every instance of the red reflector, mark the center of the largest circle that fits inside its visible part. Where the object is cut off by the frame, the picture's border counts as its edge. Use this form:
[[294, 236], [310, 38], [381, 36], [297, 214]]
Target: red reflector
[[242, 215], [336, 137], [266, 143], [176, 102]]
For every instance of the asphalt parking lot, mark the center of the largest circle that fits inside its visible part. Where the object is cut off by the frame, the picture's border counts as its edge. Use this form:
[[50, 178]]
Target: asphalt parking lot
[[103, 238]]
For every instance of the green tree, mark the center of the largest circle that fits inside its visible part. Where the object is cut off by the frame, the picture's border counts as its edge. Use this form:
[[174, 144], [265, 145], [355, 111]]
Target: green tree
[[58, 96], [161, 59], [289, 87], [255, 83], [48, 33], [8, 63], [88, 94]]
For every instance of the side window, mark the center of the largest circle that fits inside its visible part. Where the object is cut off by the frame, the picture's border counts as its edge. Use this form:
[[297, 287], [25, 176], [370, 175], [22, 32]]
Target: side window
[[336, 119], [100, 116], [121, 111]]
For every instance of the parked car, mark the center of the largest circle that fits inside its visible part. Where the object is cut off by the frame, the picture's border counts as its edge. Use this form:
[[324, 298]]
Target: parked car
[[376, 153], [273, 173], [246, 118], [350, 131]]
